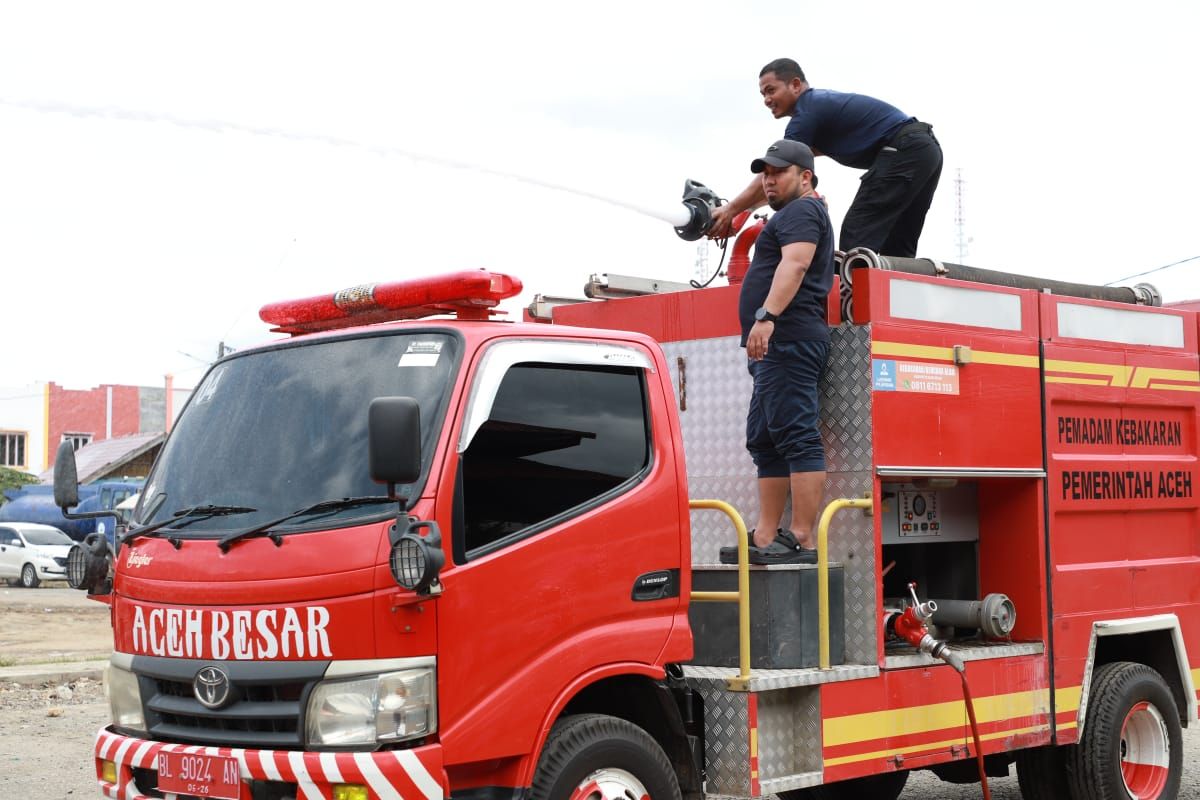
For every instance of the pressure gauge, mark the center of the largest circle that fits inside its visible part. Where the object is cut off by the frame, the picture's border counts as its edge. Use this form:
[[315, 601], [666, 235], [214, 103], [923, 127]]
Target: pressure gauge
[[918, 505]]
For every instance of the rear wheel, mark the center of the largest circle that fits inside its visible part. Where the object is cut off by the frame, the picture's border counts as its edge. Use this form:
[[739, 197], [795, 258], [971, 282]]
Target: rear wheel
[[885, 786], [29, 578], [1132, 744], [596, 757]]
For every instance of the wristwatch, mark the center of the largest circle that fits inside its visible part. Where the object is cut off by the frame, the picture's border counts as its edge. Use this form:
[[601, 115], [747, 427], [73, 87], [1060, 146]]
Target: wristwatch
[[762, 315]]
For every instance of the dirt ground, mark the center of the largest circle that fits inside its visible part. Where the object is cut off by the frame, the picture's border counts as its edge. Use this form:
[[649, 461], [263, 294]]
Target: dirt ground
[[51, 623], [46, 731], [46, 737]]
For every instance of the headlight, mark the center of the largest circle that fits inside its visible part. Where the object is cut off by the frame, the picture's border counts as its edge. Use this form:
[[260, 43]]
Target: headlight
[[125, 699], [375, 710]]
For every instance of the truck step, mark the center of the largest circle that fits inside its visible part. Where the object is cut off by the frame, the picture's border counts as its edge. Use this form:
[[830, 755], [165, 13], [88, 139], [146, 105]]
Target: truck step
[[902, 657], [801, 780], [763, 680]]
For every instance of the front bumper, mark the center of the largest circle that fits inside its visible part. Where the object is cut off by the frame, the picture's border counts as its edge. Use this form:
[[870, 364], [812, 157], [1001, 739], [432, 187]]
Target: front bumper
[[51, 572], [414, 774]]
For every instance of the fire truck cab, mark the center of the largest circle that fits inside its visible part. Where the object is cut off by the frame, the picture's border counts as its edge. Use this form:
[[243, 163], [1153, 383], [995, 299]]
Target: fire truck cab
[[416, 552]]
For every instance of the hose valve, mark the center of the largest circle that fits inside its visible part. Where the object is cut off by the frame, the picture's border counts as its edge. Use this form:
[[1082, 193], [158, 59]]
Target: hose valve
[[909, 625], [923, 611]]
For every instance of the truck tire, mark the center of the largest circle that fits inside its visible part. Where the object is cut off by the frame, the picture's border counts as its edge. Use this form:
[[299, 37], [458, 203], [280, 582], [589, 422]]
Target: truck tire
[[1042, 773], [1132, 745], [597, 757], [29, 578], [884, 786]]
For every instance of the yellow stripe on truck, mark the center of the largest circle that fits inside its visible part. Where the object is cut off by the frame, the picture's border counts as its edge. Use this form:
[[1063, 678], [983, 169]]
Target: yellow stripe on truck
[[943, 745], [1085, 373], [937, 716]]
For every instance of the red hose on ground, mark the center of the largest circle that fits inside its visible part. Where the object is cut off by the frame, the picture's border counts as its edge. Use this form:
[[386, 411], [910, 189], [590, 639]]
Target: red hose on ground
[[987, 794]]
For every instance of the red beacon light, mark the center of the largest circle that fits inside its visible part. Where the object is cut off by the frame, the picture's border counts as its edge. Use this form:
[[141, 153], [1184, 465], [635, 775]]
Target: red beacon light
[[471, 295]]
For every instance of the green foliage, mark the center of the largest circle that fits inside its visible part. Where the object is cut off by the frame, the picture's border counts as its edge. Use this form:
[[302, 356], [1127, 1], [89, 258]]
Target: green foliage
[[14, 479]]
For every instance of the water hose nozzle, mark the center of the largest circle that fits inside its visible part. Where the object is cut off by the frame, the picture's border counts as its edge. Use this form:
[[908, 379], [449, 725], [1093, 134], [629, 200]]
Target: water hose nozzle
[[700, 202]]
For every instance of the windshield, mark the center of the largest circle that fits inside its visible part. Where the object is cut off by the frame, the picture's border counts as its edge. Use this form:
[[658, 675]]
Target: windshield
[[47, 537], [277, 430]]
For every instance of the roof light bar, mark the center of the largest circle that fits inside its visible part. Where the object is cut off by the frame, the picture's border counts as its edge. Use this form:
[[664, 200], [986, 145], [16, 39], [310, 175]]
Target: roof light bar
[[469, 294]]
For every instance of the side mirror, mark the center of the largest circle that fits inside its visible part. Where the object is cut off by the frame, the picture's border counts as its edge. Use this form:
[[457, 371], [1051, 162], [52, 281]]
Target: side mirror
[[394, 434], [66, 479]]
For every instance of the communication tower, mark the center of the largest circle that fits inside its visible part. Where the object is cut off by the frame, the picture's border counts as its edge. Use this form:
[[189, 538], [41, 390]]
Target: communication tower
[[960, 217]]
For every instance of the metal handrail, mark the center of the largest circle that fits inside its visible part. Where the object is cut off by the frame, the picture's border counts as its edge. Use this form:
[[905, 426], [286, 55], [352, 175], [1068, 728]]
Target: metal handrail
[[823, 569], [741, 596]]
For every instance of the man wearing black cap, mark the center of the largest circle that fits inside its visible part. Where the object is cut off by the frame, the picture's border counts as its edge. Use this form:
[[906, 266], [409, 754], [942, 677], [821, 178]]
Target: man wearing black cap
[[784, 330], [902, 158]]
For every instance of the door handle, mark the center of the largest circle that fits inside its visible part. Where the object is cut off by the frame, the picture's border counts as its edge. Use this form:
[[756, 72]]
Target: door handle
[[656, 585]]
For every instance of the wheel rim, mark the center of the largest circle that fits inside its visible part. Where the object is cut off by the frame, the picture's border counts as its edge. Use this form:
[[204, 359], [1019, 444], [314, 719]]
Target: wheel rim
[[27, 575], [610, 784], [1145, 752]]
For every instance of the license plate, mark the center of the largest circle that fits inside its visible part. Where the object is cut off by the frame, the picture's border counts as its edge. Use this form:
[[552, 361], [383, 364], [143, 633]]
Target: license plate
[[199, 774]]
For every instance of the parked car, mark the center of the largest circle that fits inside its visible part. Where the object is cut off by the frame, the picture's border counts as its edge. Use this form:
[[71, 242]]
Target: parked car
[[31, 553]]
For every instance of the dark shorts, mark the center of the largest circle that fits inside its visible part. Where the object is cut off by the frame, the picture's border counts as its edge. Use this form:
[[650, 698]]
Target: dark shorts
[[782, 428]]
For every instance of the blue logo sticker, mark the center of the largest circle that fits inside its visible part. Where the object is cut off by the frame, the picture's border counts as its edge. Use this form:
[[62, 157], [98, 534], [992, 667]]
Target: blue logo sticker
[[884, 373]]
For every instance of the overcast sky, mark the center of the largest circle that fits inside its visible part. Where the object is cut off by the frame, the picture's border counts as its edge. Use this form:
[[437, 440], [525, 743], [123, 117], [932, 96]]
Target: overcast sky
[[166, 170]]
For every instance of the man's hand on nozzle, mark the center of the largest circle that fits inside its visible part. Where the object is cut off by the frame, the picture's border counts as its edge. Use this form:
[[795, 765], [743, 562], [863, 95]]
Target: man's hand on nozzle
[[722, 222]]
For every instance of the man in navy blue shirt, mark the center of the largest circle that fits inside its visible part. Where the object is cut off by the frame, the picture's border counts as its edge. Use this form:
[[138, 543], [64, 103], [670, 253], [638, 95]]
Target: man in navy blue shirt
[[902, 158], [781, 309]]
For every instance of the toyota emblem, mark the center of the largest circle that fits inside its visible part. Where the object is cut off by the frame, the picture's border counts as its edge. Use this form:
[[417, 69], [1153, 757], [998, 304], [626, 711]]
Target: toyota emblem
[[211, 687]]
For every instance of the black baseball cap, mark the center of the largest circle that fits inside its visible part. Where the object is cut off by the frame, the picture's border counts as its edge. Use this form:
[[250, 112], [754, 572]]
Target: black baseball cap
[[785, 153]]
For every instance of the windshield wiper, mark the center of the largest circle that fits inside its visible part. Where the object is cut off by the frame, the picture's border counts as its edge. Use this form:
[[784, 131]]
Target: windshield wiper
[[184, 517], [325, 506]]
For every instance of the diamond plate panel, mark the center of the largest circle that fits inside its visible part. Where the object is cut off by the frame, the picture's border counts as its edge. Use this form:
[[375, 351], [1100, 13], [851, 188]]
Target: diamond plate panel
[[726, 739], [789, 732], [717, 393], [852, 544], [712, 530], [846, 401]]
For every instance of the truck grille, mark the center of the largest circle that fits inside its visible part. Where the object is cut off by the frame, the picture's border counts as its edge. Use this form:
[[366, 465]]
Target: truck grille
[[266, 710]]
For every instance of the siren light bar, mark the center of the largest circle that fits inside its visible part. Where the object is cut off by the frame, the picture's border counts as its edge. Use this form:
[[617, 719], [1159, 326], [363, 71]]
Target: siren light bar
[[470, 294]]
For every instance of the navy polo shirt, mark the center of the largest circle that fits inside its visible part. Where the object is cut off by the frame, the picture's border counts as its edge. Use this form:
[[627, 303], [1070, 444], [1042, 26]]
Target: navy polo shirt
[[849, 128], [802, 220]]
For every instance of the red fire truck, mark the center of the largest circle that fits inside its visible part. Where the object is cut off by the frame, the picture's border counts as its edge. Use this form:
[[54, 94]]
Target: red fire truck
[[413, 551]]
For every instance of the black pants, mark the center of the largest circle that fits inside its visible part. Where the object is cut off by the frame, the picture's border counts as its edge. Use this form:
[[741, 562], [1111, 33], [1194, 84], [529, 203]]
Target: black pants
[[888, 212]]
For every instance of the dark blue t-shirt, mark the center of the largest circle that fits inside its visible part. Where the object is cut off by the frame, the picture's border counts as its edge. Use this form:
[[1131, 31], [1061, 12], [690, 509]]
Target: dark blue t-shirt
[[849, 128], [802, 220]]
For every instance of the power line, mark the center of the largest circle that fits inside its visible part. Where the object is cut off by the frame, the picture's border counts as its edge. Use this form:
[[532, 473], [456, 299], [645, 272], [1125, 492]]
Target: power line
[[1149, 271]]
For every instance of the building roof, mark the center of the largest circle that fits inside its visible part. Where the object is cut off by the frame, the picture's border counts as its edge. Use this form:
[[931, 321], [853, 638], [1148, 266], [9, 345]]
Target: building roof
[[107, 455]]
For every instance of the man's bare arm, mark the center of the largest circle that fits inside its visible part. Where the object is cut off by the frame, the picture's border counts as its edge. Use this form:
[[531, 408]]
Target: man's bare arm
[[722, 219], [793, 265]]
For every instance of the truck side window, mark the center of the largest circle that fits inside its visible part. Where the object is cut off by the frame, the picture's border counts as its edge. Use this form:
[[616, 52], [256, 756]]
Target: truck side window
[[558, 438]]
